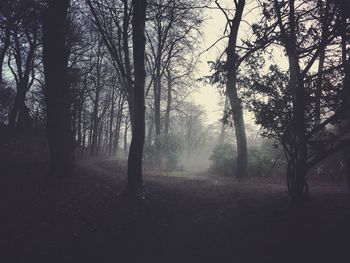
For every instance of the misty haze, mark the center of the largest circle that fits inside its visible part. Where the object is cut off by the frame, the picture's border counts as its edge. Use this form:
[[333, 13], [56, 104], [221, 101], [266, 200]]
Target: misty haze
[[174, 131]]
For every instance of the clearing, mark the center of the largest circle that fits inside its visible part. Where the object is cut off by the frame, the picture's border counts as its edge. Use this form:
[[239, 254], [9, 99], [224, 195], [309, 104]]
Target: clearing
[[186, 219]]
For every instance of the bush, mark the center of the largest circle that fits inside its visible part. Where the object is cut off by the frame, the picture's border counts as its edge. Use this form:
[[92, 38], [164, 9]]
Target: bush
[[170, 146], [223, 158], [168, 153], [259, 163]]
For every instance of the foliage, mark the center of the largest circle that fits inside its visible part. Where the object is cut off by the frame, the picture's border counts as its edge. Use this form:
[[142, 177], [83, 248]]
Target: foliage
[[261, 162], [223, 158], [270, 100], [170, 145]]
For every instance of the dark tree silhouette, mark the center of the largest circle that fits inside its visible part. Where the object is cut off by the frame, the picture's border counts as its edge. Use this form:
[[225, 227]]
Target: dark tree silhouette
[[135, 182], [22, 41], [55, 59], [293, 100]]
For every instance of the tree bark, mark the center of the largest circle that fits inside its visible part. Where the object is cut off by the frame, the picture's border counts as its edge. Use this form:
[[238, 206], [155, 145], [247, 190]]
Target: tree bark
[[55, 59], [135, 181]]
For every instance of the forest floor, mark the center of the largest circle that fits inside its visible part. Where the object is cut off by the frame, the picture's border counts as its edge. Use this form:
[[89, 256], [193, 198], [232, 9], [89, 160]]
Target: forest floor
[[185, 219]]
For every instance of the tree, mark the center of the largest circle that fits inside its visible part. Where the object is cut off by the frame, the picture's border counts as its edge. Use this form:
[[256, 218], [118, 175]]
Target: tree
[[171, 30], [55, 59], [226, 73], [7, 19], [114, 29], [24, 37], [287, 103], [345, 96], [231, 69], [135, 181], [193, 132]]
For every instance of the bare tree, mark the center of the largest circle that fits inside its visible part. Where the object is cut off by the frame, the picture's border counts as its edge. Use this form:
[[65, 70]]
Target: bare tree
[[24, 38], [171, 29]]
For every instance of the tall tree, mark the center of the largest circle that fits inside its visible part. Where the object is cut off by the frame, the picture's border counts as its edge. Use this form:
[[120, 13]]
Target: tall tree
[[55, 59], [171, 30], [345, 96], [24, 36], [135, 181], [231, 69], [288, 109], [113, 20], [297, 169]]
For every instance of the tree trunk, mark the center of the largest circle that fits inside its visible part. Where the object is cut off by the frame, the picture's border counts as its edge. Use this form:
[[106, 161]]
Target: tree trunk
[[19, 116], [4, 48], [223, 128], [95, 120], [90, 131], [111, 121], [157, 85], [99, 138], [83, 140], [318, 92], [135, 181], [297, 169], [150, 129], [169, 101], [118, 125], [126, 137], [80, 120], [79, 133], [345, 94], [298, 130], [55, 60], [157, 94], [231, 89]]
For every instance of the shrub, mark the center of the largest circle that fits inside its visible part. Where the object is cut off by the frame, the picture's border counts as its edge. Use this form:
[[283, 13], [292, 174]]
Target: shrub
[[223, 158], [259, 163], [170, 147]]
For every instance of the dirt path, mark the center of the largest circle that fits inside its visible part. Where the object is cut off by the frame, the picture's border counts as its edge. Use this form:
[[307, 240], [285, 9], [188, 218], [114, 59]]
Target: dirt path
[[196, 219]]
